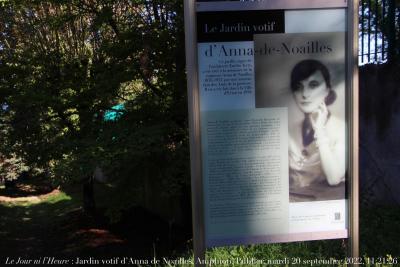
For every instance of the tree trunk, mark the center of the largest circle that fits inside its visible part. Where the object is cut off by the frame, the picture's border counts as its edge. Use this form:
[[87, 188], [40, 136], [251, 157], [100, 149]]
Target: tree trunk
[[89, 204]]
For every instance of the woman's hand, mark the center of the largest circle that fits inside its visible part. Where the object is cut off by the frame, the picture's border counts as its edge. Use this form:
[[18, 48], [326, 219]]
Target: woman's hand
[[319, 118], [331, 157]]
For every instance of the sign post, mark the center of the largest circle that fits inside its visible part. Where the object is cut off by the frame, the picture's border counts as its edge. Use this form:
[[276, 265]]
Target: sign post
[[273, 100], [354, 238], [194, 131]]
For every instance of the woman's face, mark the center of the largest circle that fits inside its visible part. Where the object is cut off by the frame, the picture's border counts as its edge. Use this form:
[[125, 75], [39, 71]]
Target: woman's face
[[311, 92]]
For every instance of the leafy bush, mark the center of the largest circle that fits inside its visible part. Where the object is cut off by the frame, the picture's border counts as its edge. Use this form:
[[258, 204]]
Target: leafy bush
[[11, 168]]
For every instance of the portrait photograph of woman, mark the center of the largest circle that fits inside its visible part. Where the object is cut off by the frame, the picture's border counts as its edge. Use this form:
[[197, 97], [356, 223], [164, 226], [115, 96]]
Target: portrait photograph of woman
[[317, 143], [312, 87]]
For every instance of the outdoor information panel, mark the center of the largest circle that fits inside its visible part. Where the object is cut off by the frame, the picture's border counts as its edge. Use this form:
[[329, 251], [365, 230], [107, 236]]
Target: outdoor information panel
[[272, 104]]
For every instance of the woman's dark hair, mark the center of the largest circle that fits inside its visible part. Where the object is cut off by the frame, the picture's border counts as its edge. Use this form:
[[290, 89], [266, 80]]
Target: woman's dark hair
[[305, 69]]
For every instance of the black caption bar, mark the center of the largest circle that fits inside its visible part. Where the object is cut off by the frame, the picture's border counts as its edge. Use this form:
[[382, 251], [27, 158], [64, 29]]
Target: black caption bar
[[228, 26]]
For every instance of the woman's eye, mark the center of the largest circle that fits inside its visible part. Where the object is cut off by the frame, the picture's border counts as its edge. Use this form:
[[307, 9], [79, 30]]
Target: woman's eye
[[299, 86], [313, 84]]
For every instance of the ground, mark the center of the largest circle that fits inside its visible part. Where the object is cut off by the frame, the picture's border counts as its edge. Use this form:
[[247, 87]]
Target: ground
[[39, 221]]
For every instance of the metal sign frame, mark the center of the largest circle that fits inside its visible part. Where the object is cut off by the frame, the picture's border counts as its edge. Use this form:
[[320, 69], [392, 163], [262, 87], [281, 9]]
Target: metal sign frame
[[190, 8]]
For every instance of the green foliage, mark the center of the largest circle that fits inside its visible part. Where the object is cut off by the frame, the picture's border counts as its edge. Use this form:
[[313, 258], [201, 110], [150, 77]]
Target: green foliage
[[282, 254], [11, 168], [379, 225], [64, 64]]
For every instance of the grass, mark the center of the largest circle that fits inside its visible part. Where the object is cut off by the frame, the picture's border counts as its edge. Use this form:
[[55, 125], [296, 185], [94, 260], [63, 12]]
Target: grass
[[380, 231], [298, 253], [379, 245], [52, 199], [62, 196], [30, 226], [311, 253]]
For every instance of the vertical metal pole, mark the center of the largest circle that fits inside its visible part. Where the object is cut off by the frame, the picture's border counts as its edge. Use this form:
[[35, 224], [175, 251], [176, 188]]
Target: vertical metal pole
[[376, 30], [194, 130], [398, 27], [383, 28], [352, 79], [369, 30], [391, 30], [362, 29]]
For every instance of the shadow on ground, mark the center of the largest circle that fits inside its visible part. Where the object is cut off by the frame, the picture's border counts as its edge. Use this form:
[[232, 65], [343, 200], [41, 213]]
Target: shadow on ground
[[56, 225]]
